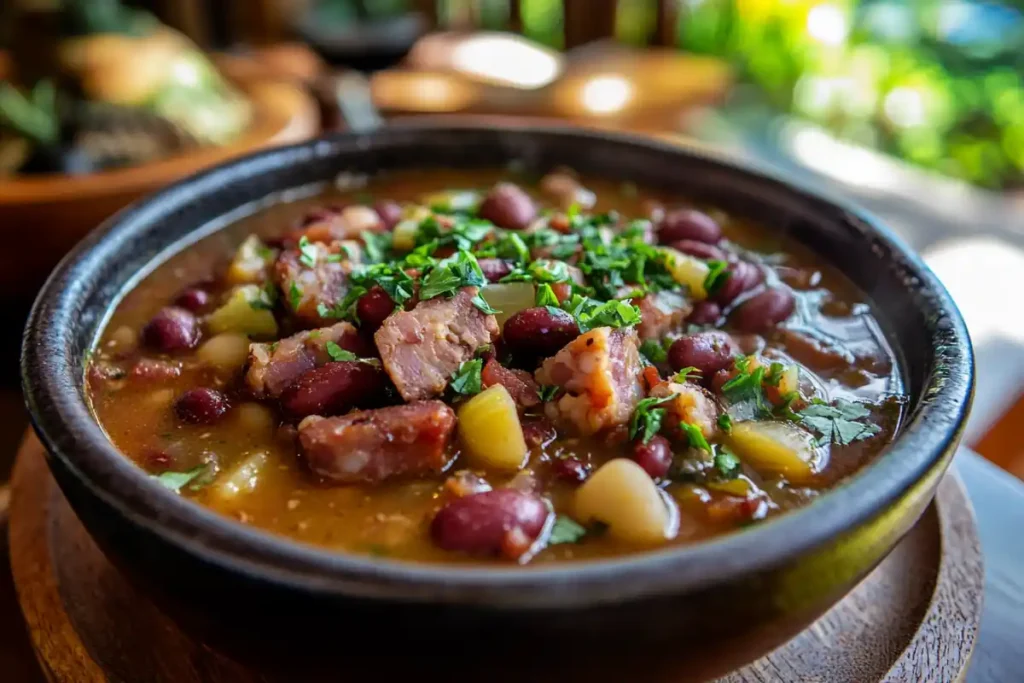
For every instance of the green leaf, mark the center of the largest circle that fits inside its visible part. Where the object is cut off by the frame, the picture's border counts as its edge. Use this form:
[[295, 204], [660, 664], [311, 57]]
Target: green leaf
[[838, 424], [294, 296], [482, 304], [377, 245], [718, 274], [175, 481], [467, 380], [725, 422], [654, 350], [647, 417], [548, 393], [307, 253], [774, 375], [566, 530], [695, 436], [546, 296], [339, 354], [266, 299], [451, 274], [727, 464], [686, 374]]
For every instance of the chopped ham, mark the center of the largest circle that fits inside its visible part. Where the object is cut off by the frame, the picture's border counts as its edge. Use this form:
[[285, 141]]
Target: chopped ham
[[373, 445], [600, 372], [519, 383], [661, 313], [421, 348], [692, 404], [304, 289], [273, 367], [330, 224]]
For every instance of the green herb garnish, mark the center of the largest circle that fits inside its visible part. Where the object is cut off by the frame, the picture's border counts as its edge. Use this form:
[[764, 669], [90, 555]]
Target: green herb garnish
[[377, 245], [452, 274], [546, 296], [725, 422], [467, 380], [266, 298], [307, 252], [647, 417], [294, 296], [695, 436], [566, 530], [339, 354], [686, 374], [655, 351], [718, 274], [548, 393], [175, 481], [727, 464], [840, 423]]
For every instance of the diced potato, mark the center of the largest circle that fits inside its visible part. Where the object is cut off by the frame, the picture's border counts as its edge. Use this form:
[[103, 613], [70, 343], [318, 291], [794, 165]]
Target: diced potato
[[740, 486], [508, 298], [403, 238], [239, 315], [241, 479], [251, 261], [256, 419], [453, 200], [623, 496], [227, 351], [490, 431], [775, 448], [687, 270]]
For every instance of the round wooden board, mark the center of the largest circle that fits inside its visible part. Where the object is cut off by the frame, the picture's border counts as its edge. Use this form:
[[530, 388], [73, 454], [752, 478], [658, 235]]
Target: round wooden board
[[915, 618]]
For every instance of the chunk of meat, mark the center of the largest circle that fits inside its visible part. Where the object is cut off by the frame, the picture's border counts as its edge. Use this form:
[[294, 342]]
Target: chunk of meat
[[330, 224], [373, 445], [661, 313], [692, 404], [519, 383], [421, 348], [273, 367], [305, 289], [600, 372]]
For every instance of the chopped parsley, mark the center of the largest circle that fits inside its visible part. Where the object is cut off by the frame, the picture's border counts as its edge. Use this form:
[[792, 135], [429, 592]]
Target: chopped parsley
[[655, 351], [647, 417], [266, 298], [718, 274], [725, 422], [294, 296], [695, 436], [377, 246], [452, 274], [727, 464], [339, 354], [774, 375], [548, 392], [175, 481], [566, 530], [840, 424], [466, 380], [590, 313], [686, 374], [746, 388], [546, 296], [307, 252]]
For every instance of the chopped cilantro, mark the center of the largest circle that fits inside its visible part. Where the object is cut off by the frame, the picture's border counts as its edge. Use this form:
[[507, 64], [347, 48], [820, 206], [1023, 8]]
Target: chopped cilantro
[[647, 417], [774, 375], [566, 530], [727, 464], [718, 274], [512, 247], [377, 245], [785, 408], [482, 304], [839, 423], [452, 274], [695, 436], [467, 380], [746, 387], [294, 296], [546, 296], [725, 422], [654, 351], [590, 313], [339, 354], [548, 393], [175, 481], [266, 298], [686, 374], [307, 252]]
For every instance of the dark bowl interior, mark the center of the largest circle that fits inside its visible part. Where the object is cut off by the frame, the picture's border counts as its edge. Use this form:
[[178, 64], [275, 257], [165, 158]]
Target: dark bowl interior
[[161, 539]]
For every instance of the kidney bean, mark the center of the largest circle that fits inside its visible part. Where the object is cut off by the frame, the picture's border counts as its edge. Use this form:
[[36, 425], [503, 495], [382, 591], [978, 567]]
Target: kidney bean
[[172, 329], [701, 250], [764, 310], [655, 456], [193, 299], [708, 351], [373, 308], [570, 469], [494, 268], [538, 332], [390, 213], [201, 406], [508, 206], [743, 276], [688, 224], [704, 313], [491, 522], [334, 389]]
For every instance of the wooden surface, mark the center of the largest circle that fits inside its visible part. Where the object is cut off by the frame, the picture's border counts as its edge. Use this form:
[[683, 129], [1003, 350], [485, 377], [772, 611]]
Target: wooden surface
[[915, 618]]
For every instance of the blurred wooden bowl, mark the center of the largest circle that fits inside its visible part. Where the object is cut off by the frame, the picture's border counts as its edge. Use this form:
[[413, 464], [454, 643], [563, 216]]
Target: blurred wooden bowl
[[41, 217]]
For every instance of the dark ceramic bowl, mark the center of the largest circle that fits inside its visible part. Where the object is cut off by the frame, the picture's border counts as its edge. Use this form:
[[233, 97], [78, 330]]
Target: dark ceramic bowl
[[266, 594]]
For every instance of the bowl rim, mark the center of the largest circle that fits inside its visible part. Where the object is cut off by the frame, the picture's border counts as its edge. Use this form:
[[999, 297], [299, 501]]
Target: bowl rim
[[74, 439]]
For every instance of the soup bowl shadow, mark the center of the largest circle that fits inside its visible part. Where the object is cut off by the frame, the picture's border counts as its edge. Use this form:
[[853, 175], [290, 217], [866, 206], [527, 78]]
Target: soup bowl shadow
[[284, 604]]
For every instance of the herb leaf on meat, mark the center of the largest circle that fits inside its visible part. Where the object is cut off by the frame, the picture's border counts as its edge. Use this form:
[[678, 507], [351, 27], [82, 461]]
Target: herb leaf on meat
[[647, 417], [307, 252], [467, 380], [695, 436], [339, 354]]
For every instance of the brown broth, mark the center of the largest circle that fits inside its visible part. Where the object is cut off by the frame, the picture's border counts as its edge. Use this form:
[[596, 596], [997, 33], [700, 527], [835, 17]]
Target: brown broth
[[392, 518]]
